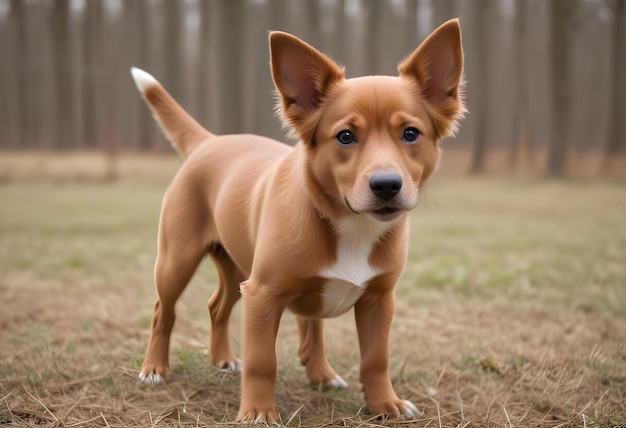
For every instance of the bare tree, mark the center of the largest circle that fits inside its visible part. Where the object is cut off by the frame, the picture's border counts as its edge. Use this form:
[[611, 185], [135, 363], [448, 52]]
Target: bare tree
[[91, 22], [231, 63], [617, 134], [204, 66], [561, 12], [62, 71], [24, 133], [522, 142], [309, 28], [254, 79], [341, 31], [410, 27], [373, 34], [278, 19], [480, 87], [146, 131], [173, 48]]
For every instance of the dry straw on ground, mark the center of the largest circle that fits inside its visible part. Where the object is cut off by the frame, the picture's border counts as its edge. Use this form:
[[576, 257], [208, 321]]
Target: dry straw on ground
[[510, 312]]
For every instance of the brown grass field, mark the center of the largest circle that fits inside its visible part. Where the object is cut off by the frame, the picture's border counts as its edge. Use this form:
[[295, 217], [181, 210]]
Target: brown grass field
[[511, 311]]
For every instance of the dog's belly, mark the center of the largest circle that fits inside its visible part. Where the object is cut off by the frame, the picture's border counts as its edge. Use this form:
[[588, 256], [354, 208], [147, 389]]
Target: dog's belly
[[338, 297]]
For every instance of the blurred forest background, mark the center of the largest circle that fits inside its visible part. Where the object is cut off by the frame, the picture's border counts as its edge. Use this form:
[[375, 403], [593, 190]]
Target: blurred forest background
[[546, 80]]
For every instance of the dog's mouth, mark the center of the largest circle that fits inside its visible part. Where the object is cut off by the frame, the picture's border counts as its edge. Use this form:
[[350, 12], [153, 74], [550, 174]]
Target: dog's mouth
[[385, 213]]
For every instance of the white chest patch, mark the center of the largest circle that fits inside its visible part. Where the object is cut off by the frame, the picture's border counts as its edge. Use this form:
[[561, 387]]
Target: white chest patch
[[348, 277]]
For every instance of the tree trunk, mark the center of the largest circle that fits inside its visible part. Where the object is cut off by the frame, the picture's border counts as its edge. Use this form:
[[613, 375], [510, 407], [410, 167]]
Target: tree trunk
[[522, 141], [480, 88], [62, 58], [341, 30], [173, 49], [411, 40], [146, 127], [616, 136], [25, 113], [231, 64], [89, 43], [204, 66], [373, 35], [561, 12]]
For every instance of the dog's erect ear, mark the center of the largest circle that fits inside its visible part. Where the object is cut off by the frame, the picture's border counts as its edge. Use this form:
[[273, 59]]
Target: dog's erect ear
[[302, 76], [437, 66]]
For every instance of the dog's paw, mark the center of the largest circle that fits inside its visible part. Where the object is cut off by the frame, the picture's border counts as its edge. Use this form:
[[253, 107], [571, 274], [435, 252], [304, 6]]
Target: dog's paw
[[233, 366], [257, 416], [403, 409], [152, 378], [336, 382], [408, 410]]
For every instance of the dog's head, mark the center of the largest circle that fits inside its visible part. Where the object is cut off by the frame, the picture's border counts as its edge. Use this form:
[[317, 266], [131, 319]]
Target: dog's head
[[370, 142]]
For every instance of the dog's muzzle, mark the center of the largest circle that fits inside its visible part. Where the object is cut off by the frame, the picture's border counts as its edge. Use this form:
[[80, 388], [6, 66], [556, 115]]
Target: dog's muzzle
[[385, 203]]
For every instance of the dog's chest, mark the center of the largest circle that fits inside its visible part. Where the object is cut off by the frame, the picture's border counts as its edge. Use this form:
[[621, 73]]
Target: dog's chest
[[346, 279]]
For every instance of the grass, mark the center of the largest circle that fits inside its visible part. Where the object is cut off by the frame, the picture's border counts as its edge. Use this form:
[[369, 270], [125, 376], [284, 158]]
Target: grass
[[511, 311]]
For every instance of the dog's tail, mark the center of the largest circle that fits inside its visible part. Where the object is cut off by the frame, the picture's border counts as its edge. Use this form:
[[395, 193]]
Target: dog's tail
[[179, 127]]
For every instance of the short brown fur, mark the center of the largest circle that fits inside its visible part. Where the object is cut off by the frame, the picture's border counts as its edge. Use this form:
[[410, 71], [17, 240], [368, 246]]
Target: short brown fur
[[309, 228]]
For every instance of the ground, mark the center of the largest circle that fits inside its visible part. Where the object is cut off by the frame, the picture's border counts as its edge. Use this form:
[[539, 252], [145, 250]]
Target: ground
[[511, 311]]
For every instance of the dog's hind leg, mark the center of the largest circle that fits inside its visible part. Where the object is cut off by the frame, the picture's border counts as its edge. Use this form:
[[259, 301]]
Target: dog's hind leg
[[220, 306], [181, 248], [313, 357], [171, 276]]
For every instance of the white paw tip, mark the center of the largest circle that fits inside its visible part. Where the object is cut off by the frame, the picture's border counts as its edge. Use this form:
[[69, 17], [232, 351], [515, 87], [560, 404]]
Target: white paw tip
[[336, 383], [409, 411], [233, 366], [153, 378], [142, 79]]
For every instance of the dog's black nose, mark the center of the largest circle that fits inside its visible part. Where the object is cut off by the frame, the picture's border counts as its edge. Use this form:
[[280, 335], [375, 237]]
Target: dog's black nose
[[385, 185]]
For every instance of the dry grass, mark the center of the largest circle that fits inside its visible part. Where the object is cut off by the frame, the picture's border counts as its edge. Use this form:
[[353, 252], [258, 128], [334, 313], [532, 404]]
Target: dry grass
[[511, 311]]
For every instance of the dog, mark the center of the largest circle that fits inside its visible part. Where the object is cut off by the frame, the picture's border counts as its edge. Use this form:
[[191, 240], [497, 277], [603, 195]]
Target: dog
[[317, 228]]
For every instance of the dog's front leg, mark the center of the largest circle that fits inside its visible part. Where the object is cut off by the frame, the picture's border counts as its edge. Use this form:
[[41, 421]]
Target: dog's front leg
[[313, 357], [262, 312], [374, 313]]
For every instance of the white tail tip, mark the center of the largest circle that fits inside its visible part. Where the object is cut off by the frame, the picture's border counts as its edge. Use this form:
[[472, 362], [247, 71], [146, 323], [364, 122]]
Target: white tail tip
[[142, 79]]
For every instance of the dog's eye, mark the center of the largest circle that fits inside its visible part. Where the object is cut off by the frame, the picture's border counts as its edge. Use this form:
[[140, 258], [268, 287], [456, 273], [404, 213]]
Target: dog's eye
[[410, 135], [346, 137]]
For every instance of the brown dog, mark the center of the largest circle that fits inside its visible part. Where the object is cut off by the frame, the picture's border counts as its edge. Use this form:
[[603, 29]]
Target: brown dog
[[316, 229]]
